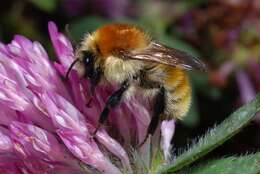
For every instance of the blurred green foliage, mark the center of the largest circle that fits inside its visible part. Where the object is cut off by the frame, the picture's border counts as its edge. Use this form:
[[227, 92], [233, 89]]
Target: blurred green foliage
[[45, 5]]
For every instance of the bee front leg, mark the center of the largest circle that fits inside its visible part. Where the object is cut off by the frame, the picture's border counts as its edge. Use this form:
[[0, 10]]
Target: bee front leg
[[159, 108], [112, 102]]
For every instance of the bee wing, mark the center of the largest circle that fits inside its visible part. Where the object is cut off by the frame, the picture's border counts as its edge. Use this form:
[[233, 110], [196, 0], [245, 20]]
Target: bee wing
[[169, 56]]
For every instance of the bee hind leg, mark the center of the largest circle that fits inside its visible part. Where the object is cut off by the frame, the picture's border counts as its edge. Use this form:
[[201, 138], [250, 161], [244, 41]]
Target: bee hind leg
[[159, 107], [112, 102]]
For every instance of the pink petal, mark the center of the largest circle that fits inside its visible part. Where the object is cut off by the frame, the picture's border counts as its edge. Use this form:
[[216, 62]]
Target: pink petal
[[78, 91], [67, 117], [142, 117], [62, 45], [36, 166], [88, 151], [13, 98], [167, 131], [64, 115], [246, 89], [41, 144], [114, 147], [68, 170], [12, 70], [11, 165], [6, 144], [7, 116]]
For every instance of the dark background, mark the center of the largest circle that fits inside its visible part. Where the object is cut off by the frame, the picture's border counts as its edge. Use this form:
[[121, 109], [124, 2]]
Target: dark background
[[223, 33]]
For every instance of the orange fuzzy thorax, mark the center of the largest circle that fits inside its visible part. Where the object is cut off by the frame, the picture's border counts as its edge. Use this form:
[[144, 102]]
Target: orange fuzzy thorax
[[119, 37]]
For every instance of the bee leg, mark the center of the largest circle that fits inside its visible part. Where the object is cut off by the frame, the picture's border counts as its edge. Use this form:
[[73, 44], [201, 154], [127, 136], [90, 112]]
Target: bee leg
[[158, 110], [113, 101]]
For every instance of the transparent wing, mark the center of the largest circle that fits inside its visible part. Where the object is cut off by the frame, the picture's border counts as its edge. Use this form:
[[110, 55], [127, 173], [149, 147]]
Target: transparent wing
[[169, 56]]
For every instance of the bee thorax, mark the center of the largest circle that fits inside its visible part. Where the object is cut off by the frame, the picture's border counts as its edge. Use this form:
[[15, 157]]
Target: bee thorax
[[117, 70]]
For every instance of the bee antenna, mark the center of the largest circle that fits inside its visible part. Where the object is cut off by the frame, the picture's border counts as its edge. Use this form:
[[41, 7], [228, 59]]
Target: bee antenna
[[70, 68]]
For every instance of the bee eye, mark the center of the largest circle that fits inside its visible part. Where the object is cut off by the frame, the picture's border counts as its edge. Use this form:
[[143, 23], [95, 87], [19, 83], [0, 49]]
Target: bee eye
[[88, 58], [88, 61]]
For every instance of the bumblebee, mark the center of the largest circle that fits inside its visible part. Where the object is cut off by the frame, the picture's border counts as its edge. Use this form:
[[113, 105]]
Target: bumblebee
[[124, 55]]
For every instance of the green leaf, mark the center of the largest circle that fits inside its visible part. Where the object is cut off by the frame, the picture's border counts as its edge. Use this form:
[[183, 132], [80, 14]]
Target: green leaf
[[249, 164], [215, 136], [46, 5]]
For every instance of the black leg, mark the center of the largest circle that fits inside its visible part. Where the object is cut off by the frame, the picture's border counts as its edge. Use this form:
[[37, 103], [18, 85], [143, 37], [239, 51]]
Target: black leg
[[158, 110], [113, 101]]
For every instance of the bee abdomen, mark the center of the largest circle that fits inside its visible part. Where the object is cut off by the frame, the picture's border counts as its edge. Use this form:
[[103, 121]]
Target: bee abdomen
[[178, 94]]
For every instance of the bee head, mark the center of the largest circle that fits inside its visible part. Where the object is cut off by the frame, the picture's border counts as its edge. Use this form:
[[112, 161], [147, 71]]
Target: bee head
[[88, 66], [86, 63]]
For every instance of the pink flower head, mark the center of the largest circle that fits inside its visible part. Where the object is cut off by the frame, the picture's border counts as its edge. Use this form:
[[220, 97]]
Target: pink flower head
[[45, 124], [39, 143]]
